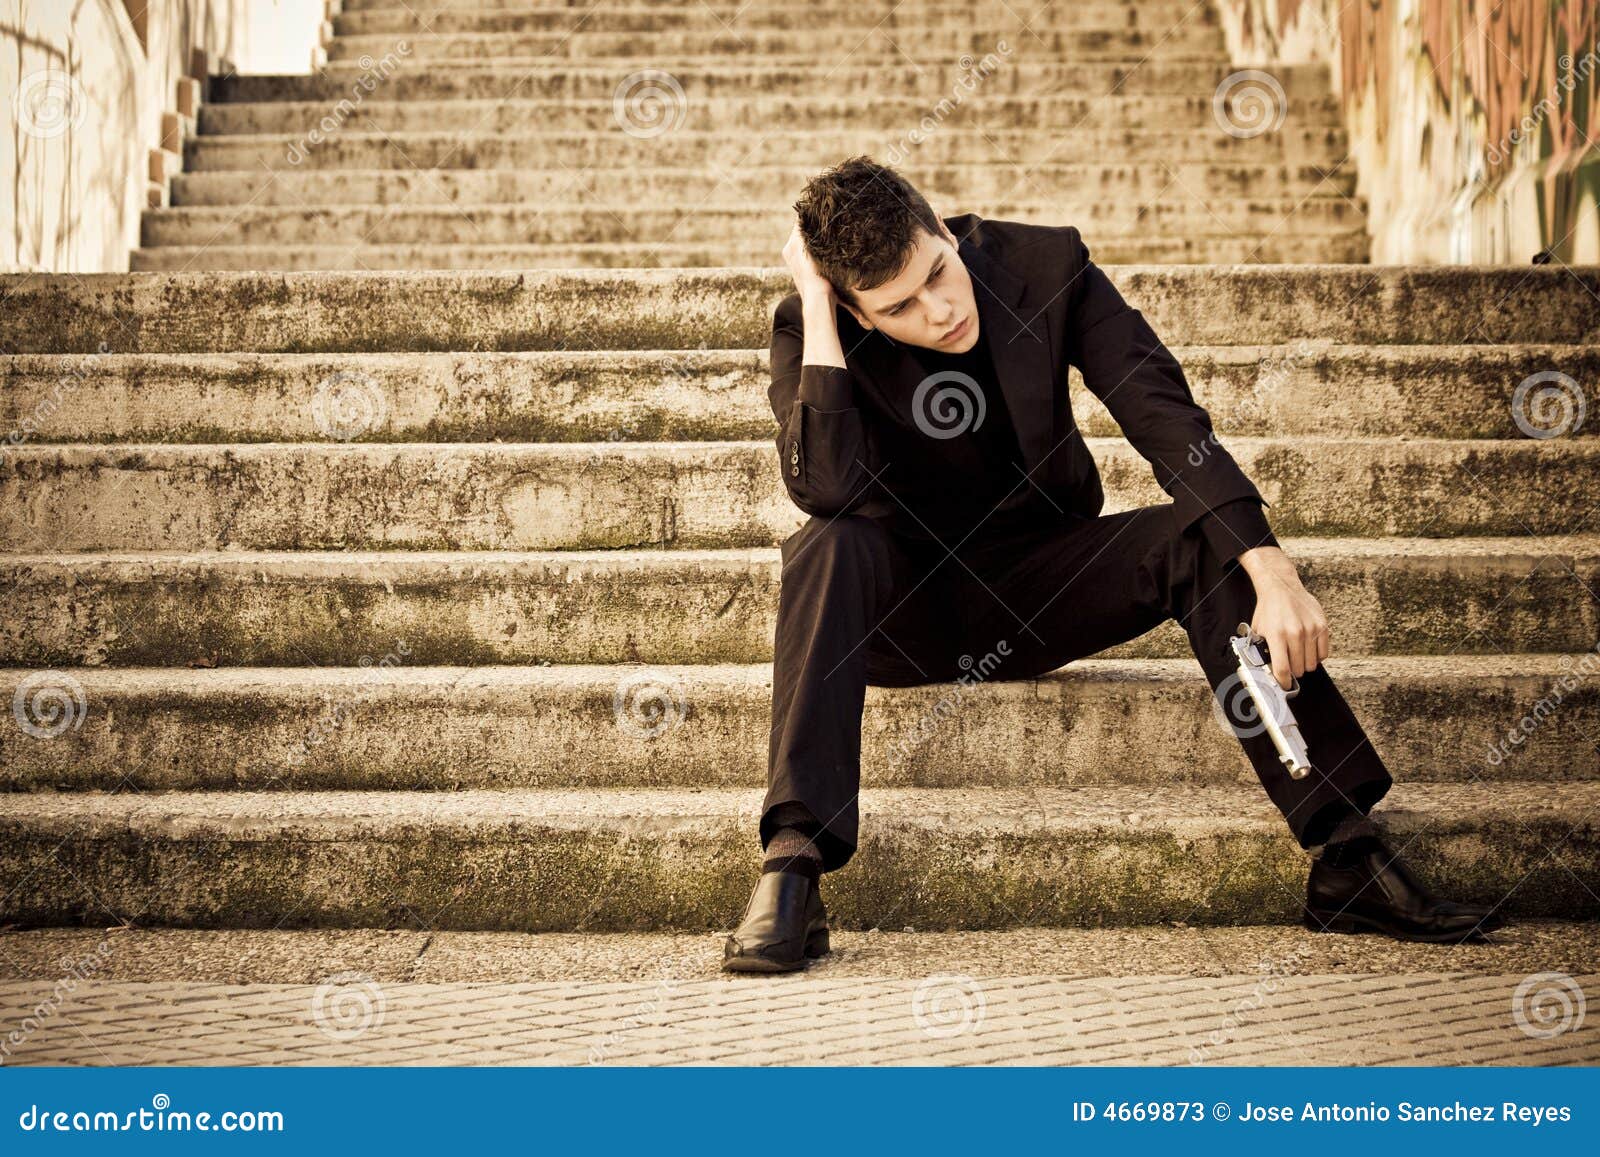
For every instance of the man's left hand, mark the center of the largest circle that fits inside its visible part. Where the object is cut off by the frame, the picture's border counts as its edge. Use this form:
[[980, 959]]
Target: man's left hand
[[1287, 615]]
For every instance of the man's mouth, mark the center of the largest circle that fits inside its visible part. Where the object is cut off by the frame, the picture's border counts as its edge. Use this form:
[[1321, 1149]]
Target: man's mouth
[[958, 331]]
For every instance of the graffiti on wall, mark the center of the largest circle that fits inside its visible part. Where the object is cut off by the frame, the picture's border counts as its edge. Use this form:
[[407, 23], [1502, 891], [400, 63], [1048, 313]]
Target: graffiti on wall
[[1512, 85]]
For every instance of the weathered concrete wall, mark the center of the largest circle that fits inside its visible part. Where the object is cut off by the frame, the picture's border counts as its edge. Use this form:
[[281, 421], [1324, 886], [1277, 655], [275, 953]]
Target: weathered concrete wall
[[1470, 120], [85, 87]]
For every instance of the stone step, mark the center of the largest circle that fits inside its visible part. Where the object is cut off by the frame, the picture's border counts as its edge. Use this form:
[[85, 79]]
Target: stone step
[[702, 78], [977, 185], [520, 17], [388, 727], [529, 496], [1391, 596], [537, 309], [996, 41], [704, 224], [724, 114], [1134, 963], [718, 151], [728, 9], [1304, 387], [934, 859], [1348, 247]]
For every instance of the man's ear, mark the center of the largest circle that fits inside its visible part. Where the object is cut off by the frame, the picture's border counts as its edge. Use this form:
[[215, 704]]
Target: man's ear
[[861, 318]]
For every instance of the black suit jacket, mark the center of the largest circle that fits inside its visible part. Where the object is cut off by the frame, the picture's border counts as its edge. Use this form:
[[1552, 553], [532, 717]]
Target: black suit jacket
[[1044, 306]]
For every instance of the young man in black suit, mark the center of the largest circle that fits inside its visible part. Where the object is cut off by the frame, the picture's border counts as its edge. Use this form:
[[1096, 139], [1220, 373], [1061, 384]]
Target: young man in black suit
[[955, 509]]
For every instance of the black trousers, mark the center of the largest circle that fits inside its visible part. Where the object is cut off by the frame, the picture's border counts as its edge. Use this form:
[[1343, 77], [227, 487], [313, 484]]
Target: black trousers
[[860, 603]]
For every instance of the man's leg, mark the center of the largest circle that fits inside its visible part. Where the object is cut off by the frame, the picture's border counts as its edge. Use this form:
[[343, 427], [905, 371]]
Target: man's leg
[[855, 602], [1094, 583]]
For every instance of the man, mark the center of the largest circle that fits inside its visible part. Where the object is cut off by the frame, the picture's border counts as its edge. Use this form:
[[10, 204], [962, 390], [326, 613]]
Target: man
[[926, 428]]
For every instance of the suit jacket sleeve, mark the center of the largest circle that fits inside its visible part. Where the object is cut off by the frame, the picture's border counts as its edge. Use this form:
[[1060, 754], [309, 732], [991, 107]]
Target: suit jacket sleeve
[[1127, 367], [824, 452], [1236, 527]]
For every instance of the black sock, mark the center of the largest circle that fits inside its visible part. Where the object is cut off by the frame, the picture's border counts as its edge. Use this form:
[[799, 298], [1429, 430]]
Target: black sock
[[793, 847], [1349, 827]]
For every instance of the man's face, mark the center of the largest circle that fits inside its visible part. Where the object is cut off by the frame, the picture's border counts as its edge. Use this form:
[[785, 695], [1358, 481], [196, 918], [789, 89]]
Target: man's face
[[931, 296]]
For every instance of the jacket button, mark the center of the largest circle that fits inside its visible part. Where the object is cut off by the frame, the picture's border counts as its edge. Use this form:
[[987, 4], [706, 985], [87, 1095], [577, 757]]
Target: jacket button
[[794, 470]]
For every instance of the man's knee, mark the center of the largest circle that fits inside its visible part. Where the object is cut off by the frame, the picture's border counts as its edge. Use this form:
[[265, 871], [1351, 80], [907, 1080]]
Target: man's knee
[[843, 541]]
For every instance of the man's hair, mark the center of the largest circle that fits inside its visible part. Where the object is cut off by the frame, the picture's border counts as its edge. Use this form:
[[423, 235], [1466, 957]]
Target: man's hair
[[859, 221]]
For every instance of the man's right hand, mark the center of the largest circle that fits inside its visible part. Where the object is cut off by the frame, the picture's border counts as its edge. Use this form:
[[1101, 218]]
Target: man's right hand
[[807, 278]]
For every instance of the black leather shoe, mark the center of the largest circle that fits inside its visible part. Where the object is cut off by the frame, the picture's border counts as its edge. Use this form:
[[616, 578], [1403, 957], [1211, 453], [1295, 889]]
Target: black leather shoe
[[784, 923], [1372, 890]]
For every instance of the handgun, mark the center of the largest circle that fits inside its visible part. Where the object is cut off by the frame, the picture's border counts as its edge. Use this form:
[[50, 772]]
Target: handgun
[[1271, 700]]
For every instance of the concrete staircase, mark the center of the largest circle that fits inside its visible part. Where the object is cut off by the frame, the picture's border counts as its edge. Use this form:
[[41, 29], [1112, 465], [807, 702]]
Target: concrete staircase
[[444, 600], [519, 136]]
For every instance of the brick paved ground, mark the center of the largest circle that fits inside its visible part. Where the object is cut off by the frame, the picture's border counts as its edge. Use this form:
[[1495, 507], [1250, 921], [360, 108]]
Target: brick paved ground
[[1139, 996]]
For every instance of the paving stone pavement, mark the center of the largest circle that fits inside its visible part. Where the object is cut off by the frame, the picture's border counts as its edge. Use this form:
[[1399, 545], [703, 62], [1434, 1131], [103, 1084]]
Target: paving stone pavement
[[1211, 996]]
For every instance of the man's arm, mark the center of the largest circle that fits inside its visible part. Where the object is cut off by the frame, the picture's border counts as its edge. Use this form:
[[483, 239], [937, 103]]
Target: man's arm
[[1127, 367], [1237, 526], [823, 448]]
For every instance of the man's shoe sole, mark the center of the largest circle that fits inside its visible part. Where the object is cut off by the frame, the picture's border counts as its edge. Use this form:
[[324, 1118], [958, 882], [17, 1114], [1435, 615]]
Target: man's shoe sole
[[816, 945], [1318, 921]]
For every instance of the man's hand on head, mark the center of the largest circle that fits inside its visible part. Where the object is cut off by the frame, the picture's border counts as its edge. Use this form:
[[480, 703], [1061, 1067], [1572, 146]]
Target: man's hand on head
[[1287, 615]]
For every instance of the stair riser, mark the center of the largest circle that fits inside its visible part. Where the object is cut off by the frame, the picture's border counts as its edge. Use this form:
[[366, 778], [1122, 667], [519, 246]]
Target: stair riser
[[751, 18], [979, 186], [621, 150], [429, 496], [813, 113], [750, 226], [1350, 247], [1441, 392], [829, 45], [732, 309], [657, 608], [799, 77], [695, 873], [1101, 724]]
